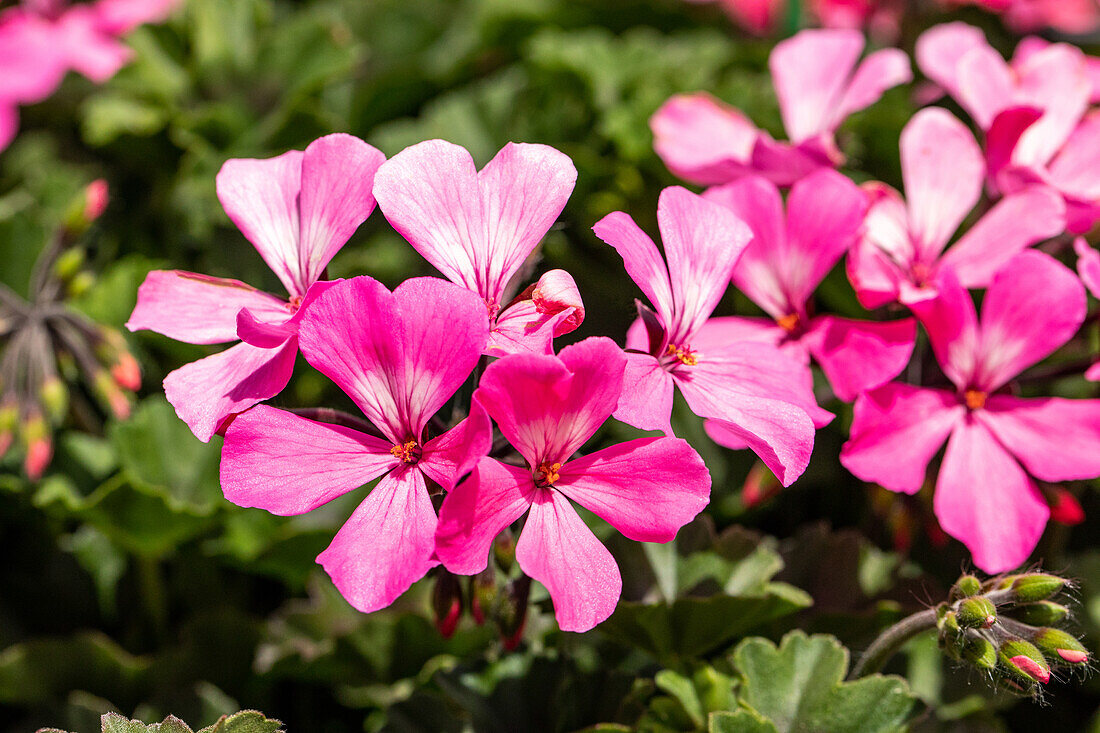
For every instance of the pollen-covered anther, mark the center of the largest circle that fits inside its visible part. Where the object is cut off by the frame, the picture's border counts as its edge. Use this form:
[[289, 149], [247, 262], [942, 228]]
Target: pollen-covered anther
[[788, 322], [975, 399], [294, 303], [409, 451], [684, 354], [492, 308], [547, 474]]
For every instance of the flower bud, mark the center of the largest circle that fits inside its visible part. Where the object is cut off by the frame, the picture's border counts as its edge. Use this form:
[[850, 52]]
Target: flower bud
[[950, 624], [81, 283], [504, 550], [1037, 587], [966, 586], [1059, 645], [9, 421], [88, 206], [512, 612], [977, 613], [447, 603], [1022, 659], [980, 652], [38, 444], [1042, 613], [483, 593], [54, 396], [109, 392], [126, 372], [1065, 509], [68, 263]]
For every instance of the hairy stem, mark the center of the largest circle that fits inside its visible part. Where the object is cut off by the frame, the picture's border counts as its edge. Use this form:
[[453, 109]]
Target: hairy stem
[[890, 641]]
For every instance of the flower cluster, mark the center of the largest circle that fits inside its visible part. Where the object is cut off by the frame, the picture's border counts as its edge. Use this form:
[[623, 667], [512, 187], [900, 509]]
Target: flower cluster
[[42, 40], [482, 340]]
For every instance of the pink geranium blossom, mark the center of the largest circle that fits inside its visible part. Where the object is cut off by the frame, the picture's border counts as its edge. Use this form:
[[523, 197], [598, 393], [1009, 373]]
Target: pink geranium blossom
[[1068, 16], [547, 407], [298, 210], [478, 229], [901, 252], [400, 356], [985, 496], [783, 265], [758, 396], [819, 81], [1088, 269], [759, 17]]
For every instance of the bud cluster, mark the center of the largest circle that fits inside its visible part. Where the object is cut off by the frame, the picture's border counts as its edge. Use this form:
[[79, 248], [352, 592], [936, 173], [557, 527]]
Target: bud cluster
[[1009, 627], [45, 346]]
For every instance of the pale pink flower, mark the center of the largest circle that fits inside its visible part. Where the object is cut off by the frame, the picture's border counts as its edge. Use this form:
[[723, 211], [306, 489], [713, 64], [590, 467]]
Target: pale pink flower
[[784, 263], [1068, 16], [298, 209], [984, 495], [759, 397], [548, 407], [882, 18], [901, 253], [1088, 269], [819, 81], [400, 356], [479, 227]]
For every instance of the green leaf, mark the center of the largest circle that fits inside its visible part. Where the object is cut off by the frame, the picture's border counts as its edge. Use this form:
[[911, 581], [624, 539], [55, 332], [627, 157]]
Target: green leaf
[[798, 687], [682, 689], [40, 671], [739, 721], [115, 723], [246, 721]]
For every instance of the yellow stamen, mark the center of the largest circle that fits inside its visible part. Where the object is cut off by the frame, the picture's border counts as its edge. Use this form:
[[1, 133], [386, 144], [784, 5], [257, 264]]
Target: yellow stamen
[[547, 474], [975, 399], [788, 322], [408, 452], [686, 356]]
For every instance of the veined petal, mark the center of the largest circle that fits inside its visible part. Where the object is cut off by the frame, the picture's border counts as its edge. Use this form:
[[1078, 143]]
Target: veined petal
[[199, 309], [270, 333], [646, 398], [896, 430], [702, 140], [559, 551], [859, 355], [336, 181], [521, 329], [781, 434], [548, 406], [702, 243], [1034, 305], [985, 499], [477, 510], [450, 456], [286, 464], [646, 488], [261, 198], [555, 292], [386, 545], [811, 71], [641, 257], [207, 391], [1055, 439], [720, 332]]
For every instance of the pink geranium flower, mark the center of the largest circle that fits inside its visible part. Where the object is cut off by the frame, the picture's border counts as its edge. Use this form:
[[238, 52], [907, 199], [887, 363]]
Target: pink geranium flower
[[1068, 16], [547, 407], [1088, 269], [985, 496], [298, 210], [783, 265], [478, 229], [400, 356], [759, 17], [759, 397], [901, 253], [819, 81]]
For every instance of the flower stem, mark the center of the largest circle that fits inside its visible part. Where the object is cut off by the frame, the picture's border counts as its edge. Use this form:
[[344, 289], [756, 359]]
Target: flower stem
[[890, 641]]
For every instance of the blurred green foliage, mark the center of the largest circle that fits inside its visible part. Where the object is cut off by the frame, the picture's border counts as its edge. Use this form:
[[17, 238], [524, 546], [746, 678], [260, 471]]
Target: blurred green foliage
[[130, 585]]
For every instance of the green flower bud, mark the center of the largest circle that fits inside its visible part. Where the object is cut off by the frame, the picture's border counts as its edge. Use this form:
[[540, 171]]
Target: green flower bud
[[977, 613], [949, 624], [980, 652], [1060, 646], [1043, 613], [54, 396], [1023, 661], [68, 263], [1037, 587], [967, 586]]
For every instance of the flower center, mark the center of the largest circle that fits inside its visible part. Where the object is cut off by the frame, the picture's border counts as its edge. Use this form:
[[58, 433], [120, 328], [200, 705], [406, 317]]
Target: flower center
[[921, 274], [409, 451], [788, 322], [684, 354], [492, 307], [294, 303], [547, 474], [974, 399]]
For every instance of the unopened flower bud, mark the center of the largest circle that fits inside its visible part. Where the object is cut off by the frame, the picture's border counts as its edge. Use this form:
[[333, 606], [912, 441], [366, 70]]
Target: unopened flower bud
[[108, 390], [38, 444], [81, 283], [9, 421], [1037, 587], [447, 603], [950, 624], [68, 263], [504, 550], [483, 593], [966, 586], [1042, 613], [980, 652], [88, 206], [1058, 645], [512, 612], [127, 372], [1023, 659], [1065, 509], [977, 613], [54, 396]]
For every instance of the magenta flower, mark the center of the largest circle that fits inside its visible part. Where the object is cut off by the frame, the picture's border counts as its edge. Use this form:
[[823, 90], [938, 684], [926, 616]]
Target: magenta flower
[[783, 265], [547, 407], [1067, 16], [819, 81], [298, 210], [478, 229], [985, 496], [1088, 269], [759, 397], [901, 254], [400, 356], [759, 17]]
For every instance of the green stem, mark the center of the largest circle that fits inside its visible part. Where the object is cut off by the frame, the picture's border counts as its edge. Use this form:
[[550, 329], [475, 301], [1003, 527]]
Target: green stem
[[890, 641]]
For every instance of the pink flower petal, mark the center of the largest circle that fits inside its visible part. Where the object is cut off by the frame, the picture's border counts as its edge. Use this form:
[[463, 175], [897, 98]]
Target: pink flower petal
[[207, 391], [450, 456], [400, 356], [1034, 305], [811, 72], [477, 510], [559, 551], [199, 309], [555, 292], [1075, 170], [9, 123], [270, 333], [88, 50], [1002, 139], [337, 174], [881, 70], [1013, 224], [783, 163], [944, 171], [521, 329], [1093, 372], [951, 321], [986, 85], [261, 198], [720, 332], [286, 464], [646, 399], [702, 140], [641, 257], [547, 406], [781, 434], [646, 488], [1088, 265], [386, 545], [940, 49], [884, 253], [1055, 439], [985, 499], [1055, 80], [896, 429], [32, 64], [119, 17], [859, 355]]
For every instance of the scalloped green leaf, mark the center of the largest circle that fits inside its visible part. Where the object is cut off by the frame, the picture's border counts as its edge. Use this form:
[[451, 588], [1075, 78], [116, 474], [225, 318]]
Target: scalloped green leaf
[[246, 721], [739, 721]]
